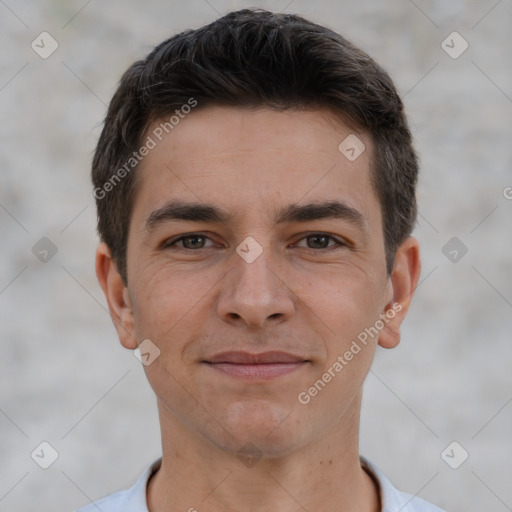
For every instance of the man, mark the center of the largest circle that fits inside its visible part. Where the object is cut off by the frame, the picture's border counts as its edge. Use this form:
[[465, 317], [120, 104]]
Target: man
[[255, 185]]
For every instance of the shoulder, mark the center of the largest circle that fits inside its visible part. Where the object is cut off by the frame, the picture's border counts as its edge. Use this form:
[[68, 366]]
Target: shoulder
[[392, 498], [128, 500], [116, 502]]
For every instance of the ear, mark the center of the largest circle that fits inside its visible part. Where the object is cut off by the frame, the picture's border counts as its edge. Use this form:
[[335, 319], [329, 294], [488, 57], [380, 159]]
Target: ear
[[117, 297], [401, 287]]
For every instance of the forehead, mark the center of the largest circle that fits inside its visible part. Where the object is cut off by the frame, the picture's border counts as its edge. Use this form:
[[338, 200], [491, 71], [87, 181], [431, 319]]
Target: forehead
[[240, 158]]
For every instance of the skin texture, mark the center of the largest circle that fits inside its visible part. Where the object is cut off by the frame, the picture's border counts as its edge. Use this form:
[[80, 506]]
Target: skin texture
[[303, 295]]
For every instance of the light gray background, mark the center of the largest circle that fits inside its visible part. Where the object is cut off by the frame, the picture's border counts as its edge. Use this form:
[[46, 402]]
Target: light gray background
[[65, 379]]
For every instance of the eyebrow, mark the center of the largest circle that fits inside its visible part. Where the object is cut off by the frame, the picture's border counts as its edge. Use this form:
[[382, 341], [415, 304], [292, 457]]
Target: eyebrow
[[200, 212]]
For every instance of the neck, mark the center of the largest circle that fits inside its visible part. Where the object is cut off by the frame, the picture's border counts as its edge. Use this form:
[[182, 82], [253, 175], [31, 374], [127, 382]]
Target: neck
[[324, 475]]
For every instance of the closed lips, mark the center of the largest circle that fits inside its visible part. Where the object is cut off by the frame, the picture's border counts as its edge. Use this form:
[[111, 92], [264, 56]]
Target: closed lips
[[273, 357], [256, 367]]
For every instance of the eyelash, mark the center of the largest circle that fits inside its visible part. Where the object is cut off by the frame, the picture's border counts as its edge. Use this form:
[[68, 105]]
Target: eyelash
[[173, 242]]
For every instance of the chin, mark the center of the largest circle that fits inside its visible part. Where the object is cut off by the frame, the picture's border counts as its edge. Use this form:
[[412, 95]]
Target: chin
[[266, 426]]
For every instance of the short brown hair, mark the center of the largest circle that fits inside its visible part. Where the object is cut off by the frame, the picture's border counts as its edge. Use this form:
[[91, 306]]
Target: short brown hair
[[254, 58]]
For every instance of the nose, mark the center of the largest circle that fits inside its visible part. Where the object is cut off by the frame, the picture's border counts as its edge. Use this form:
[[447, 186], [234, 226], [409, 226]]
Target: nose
[[255, 293]]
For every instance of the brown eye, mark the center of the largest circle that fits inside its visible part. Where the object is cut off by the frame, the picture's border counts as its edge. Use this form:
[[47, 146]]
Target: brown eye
[[192, 242], [319, 241]]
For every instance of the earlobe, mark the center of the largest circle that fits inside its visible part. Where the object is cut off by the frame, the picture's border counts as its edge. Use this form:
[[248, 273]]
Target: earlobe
[[402, 285], [117, 297]]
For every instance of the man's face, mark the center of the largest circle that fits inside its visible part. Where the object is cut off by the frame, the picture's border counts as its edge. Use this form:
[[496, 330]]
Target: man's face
[[318, 282]]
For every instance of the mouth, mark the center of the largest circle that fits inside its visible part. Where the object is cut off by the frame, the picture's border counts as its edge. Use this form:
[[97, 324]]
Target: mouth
[[262, 366]]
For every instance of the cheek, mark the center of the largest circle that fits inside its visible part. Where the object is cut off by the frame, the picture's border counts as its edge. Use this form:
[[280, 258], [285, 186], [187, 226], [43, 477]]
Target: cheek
[[168, 300], [345, 300]]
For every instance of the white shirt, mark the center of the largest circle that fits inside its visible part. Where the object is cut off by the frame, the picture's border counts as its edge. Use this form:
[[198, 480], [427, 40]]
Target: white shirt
[[134, 499]]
